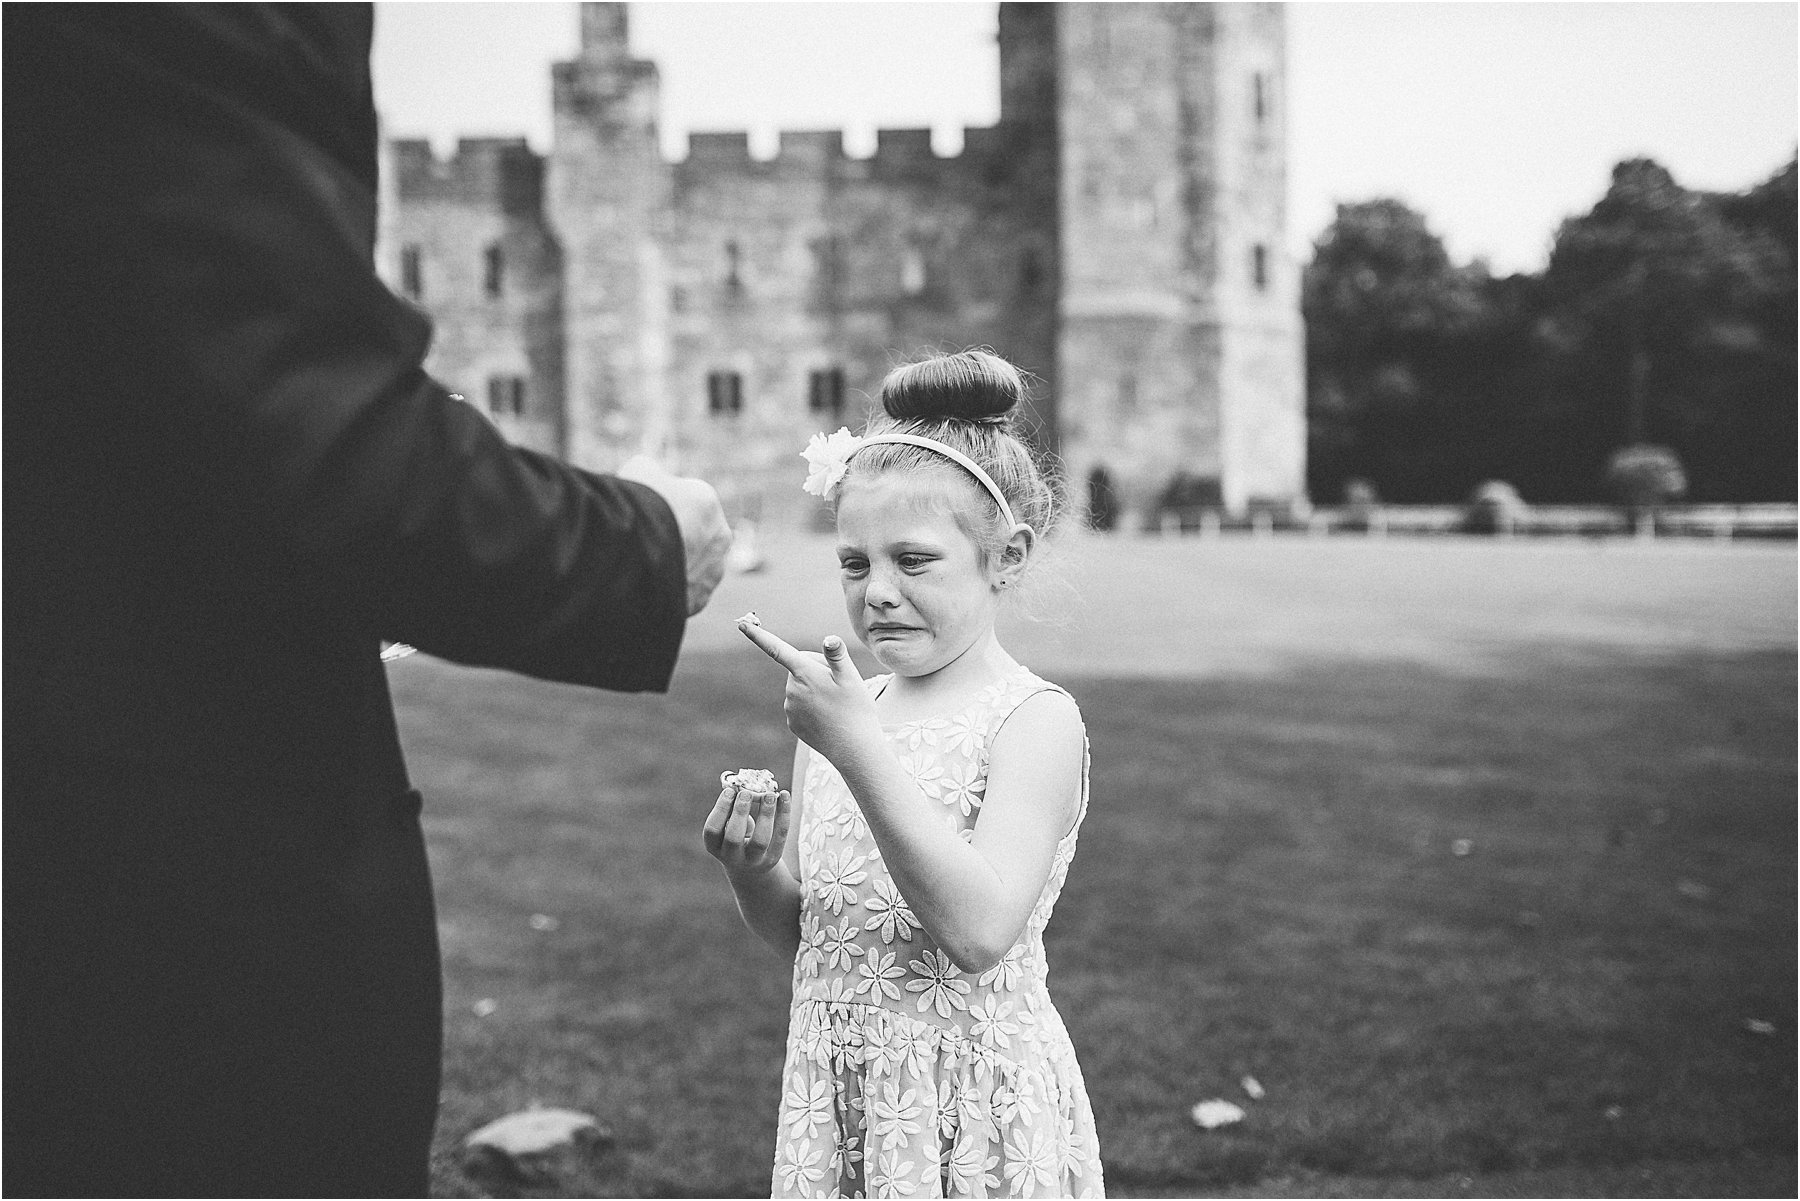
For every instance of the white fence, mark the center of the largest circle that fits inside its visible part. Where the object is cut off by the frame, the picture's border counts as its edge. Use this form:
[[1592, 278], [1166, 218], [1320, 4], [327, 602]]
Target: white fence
[[1722, 522]]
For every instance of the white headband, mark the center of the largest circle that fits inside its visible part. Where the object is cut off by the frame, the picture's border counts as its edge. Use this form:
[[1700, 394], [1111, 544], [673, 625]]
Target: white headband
[[830, 458]]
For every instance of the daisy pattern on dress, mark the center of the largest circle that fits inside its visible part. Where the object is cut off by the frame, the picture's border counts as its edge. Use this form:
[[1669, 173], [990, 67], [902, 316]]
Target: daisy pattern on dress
[[881, 1051], [990, 1026], [847, 1154], [839, 945], [927, 772], [892, 916], [963, 789], [847, 1050], [811, 956], [919, 734], [917, 1046], [1004, 975], [1030, 1159], [895, 1115], [878, 977], [940, 984], [891, 1178], [962, 733], [838, 878], [1012, 1103], [970, 1170], [808, 1104], [796, 1169]]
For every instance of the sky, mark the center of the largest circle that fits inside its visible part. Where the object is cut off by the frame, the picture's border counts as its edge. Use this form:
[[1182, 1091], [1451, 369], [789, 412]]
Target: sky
[[1495, 120]]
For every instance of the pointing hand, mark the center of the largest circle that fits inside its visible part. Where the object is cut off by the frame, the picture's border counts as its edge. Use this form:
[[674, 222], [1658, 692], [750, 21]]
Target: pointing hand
[[828, 706]]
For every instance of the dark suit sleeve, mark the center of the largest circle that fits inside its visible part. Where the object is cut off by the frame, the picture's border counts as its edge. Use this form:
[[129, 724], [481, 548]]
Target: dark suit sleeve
[[204, 178]]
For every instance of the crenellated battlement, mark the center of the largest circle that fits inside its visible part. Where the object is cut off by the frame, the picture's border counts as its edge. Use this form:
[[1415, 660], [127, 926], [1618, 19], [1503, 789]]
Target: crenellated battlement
[[502, 173], [811, 150]]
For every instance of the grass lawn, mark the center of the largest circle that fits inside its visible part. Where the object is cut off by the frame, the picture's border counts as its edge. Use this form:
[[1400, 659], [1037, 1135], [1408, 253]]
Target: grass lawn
[[1491, 923]]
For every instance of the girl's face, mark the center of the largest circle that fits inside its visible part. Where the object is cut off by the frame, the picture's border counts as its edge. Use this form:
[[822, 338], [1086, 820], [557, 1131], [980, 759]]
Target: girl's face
[[915, 585]]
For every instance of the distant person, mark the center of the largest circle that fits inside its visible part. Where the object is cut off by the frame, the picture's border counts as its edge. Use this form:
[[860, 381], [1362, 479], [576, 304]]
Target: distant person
[[227, 481], [934, 813]]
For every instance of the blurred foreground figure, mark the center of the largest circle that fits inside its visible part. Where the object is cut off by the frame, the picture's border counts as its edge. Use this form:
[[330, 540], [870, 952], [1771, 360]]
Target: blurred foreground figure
[[227, 481]]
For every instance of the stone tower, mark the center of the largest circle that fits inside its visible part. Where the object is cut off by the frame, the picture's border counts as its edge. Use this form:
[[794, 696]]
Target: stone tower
[[607, 200], [1180, 349]]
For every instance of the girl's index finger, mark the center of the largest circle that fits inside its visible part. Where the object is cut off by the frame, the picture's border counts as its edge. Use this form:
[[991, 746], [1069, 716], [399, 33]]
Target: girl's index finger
[[771, 645]]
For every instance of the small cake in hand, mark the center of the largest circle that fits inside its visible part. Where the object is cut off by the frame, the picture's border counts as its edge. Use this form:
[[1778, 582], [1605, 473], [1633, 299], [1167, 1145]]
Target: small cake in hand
[[754, 780]]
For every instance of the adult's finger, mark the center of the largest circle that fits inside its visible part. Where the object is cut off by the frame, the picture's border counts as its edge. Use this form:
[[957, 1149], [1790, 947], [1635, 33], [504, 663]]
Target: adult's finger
[[772, 645]]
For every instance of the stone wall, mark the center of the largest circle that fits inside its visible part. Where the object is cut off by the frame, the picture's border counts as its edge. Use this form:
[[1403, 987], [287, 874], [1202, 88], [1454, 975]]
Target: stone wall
[[470, 233]]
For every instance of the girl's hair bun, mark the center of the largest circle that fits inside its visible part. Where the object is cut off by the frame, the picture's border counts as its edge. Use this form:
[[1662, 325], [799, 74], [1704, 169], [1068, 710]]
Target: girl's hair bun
[[971, 385]]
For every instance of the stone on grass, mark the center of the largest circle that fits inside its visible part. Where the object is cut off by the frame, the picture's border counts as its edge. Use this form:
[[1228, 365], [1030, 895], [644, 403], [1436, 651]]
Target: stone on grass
[[1210, 1115], [535, 1146]]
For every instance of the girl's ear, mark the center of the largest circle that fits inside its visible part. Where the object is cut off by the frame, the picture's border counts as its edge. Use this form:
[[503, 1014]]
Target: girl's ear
[[1015, 555]]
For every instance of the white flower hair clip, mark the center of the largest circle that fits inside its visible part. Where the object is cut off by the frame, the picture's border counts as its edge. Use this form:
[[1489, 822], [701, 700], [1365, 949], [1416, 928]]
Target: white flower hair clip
[[829, 456], [830, 459]]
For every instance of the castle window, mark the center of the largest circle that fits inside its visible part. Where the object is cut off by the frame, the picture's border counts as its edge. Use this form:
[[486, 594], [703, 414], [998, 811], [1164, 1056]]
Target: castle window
[[411, 278], [734, 262], [506, 395], [1030, 273], [678, 299], [1259, 95], [493, 274], [827, 260], [825, 391], [912, 272], [724, 392], [1128, 393], [1259, 266]]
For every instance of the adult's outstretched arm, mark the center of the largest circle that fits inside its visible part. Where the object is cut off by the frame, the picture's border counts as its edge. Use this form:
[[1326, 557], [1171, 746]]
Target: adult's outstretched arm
[[190, 212]]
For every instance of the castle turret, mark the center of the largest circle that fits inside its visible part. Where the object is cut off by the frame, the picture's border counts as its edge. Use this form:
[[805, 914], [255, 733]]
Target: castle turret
[[608, 196], [1180, 341]]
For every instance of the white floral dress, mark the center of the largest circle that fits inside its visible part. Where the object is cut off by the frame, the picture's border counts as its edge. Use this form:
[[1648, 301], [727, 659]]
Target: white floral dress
[[905, 1076]]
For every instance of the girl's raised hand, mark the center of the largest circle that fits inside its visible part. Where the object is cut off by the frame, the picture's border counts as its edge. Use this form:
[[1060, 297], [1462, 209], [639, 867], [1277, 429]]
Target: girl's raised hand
[[747, 831], [827, 704]]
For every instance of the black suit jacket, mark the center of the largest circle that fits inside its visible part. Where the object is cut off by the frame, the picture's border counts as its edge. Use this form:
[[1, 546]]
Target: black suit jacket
[[227, 479]]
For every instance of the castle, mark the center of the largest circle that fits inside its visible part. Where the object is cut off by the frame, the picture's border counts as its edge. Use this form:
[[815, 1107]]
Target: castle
[[1120, 233]]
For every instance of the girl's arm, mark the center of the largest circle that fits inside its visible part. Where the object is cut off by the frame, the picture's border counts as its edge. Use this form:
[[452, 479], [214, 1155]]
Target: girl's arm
[[975, 897], [764, 869]]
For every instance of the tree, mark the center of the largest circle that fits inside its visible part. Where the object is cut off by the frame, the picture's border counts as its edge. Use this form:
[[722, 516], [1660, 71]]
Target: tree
[[1658, 327], [1386, 313]]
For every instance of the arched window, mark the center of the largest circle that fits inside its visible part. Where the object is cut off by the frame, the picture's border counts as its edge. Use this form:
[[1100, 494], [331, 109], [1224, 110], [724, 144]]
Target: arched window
[[412, 279]]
